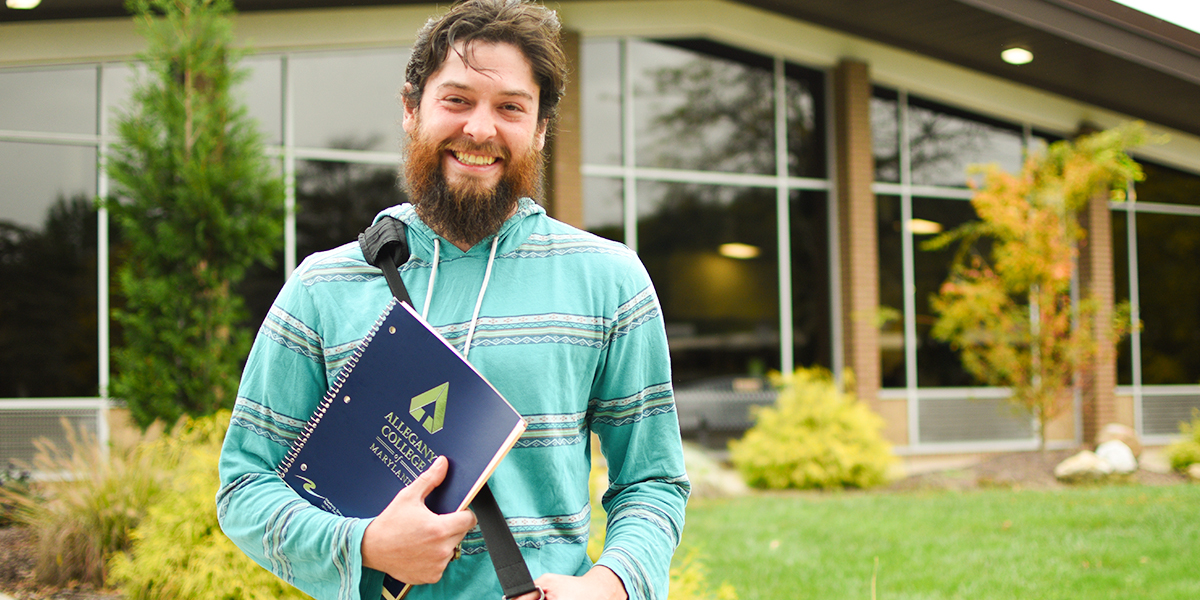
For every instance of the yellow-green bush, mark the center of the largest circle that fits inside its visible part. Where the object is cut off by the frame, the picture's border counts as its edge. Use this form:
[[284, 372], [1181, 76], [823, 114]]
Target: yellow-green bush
[[1186, 452], [814, 436], [178, 550]]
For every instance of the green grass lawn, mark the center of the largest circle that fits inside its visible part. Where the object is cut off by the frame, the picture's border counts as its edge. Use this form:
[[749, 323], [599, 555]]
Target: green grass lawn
[[1117, 542]]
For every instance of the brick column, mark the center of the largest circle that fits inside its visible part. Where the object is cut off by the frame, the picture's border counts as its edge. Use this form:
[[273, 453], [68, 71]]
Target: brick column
[[564, 148], [857, 218], [1098, 389]]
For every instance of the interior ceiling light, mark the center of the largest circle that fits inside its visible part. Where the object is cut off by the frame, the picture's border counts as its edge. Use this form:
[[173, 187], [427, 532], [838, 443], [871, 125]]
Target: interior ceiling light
[[1017, 55], [22, 4], [736, 250], [923, 227]]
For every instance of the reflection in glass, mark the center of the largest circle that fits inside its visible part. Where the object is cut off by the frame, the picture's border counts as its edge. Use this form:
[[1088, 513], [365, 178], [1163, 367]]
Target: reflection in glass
[[1168, 186], [722, 314], [1168, 249], [54, 100], [937, 364], [600, 101], [812, 332], [944, 143], [336, 201], [48, 327], [892, 359], [603, 207], [349, 100], [804, 90], [261, 94], [885, 135], [696, 111]]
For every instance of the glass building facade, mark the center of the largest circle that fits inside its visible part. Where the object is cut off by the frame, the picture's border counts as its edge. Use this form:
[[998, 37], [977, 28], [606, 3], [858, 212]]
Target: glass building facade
[[713, 161]]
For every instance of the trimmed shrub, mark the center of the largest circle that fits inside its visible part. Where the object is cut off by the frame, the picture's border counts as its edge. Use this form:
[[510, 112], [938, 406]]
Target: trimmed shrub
[[815, 436], [1186, 452], [178, 550]]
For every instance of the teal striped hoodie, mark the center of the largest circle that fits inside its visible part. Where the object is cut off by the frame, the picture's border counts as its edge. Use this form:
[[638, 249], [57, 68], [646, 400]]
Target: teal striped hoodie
[[568, 329]]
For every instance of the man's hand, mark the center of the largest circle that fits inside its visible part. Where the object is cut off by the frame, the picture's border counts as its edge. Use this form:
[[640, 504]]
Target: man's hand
[[407, 540], [597, 584]]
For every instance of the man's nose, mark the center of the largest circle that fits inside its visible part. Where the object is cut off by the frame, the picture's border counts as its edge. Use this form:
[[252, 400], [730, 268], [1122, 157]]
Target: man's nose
[[481, 124]]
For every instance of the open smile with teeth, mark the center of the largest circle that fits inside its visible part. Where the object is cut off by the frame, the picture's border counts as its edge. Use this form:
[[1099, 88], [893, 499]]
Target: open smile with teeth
[[475, 160]]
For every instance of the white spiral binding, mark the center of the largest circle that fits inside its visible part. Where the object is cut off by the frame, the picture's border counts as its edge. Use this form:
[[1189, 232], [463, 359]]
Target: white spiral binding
[[286, 464]]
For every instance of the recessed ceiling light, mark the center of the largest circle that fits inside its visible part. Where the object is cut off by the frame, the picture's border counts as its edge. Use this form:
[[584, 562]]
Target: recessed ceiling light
[[740, 251], [924, 227], [23, 4], [1017, 55]]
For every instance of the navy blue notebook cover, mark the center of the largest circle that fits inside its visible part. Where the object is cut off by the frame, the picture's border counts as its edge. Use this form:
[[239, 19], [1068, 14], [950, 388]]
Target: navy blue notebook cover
[[405, 398]]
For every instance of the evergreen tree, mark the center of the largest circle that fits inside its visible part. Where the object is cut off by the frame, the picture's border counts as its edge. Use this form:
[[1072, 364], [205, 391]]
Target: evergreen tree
[[197, 204]]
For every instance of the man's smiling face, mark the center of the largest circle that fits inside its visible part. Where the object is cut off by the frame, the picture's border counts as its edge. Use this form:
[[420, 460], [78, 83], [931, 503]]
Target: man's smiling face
[[475, 142]]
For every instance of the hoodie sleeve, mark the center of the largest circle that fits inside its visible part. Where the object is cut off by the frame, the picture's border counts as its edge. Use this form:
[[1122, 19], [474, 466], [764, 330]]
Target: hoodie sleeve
[[283, 382], [632, 410]]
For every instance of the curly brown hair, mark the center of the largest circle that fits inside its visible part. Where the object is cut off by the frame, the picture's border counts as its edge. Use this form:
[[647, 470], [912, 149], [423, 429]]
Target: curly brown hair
[[531, 27]]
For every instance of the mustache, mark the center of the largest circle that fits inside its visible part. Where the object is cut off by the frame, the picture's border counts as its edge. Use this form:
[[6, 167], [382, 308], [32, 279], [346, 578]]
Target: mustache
[[467, 146]]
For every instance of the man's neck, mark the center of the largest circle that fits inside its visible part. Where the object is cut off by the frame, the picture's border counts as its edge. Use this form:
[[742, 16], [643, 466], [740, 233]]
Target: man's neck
[[466, 245]]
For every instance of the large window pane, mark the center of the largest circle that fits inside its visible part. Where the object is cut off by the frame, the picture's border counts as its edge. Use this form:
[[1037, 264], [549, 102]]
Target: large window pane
[[1121, 291], [721, 312], [937, 364], [57, 101], [812, 332], [48, 332], [892, 361], [1168, 252], [696, 111], [349, 100], [944, 143], [600, 101], [603, 207]]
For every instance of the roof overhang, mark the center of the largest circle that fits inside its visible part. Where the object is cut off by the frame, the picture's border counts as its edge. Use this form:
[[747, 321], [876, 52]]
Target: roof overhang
[[1094, 51]]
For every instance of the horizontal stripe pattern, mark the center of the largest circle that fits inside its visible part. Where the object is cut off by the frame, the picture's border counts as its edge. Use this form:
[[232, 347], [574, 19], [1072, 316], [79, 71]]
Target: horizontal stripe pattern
[[535, 532], [654, 400], [263, 421], [290, 332], [549, 431]]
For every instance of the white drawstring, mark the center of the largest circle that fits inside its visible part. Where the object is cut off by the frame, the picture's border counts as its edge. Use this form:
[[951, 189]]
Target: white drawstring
[[432, 276], [487, 275]]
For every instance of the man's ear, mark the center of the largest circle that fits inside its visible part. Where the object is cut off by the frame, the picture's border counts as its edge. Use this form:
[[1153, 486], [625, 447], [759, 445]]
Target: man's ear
[[539, 138], [410, 110]]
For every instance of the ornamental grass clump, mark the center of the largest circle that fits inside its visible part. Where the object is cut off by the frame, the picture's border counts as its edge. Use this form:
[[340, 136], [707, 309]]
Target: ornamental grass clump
[[815, 436], [84, 503]]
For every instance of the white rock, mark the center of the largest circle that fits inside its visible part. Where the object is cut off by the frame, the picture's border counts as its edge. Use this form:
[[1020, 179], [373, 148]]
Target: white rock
[[1085, 466], [1119, 455], [1193, 471], [1125, 433]]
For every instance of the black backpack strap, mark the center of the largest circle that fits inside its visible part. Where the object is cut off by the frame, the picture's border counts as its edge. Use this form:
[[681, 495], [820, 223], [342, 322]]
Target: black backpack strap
[[385, 245]]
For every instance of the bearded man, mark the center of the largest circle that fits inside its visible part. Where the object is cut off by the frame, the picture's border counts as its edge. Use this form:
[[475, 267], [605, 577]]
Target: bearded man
[[564, 324]]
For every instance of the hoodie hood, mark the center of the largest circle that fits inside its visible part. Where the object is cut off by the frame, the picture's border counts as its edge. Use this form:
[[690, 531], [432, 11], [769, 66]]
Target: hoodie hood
[[511, 235]]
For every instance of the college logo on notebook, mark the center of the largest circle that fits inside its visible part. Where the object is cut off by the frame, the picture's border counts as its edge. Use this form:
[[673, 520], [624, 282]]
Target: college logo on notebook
[[437, 397]]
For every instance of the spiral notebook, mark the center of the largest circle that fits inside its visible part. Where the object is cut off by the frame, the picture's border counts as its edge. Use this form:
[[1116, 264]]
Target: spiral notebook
[[405, 398]]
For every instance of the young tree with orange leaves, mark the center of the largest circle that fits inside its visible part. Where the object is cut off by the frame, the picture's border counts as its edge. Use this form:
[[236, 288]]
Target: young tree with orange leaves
[[1009, 311]]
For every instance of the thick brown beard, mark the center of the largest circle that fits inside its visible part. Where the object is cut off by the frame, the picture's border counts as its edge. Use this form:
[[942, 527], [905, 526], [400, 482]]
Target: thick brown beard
[[466, 213]]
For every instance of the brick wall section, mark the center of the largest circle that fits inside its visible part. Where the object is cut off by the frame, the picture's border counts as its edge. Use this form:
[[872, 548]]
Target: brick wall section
[[857, 234], [1096, 279], [564, 180]]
